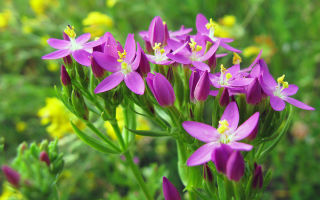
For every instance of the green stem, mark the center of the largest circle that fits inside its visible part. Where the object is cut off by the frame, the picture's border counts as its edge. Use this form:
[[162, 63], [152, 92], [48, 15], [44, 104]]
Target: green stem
[[100, 135], [137, 174], [236, 191], [116, 129]]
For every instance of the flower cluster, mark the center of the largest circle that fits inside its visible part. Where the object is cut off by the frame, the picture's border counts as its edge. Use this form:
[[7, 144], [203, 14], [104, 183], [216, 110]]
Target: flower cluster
[[176, 83]]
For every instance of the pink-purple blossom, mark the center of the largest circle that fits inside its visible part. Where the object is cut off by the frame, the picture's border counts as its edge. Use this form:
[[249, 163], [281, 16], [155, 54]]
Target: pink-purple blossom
[[227, 133]]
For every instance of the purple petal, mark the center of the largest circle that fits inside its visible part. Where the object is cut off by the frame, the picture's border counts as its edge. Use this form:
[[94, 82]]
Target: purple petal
[[134, 82], [277, 103], [56, 54], [193, 80], [235, 166], [241, 82], [107, 62], [169, 191], [136, 62], [256, 60], [201, 131], [229, 48], [268, 79], [58, 44], [202, 155], [82, 57], [291, 90], [201, 22], [180, 58], [130, 48], [220, 157], [247, 127], [298, 104], [231, 114], [201, 66], [202, 88], [156, 31], [95, 43], [110, 82], [164, 92], [83, 38], [211, 51], [240, 146]]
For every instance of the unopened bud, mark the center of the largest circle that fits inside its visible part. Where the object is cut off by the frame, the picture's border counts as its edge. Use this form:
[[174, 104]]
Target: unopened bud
[[44, 157], [12, 176], [65, 78]]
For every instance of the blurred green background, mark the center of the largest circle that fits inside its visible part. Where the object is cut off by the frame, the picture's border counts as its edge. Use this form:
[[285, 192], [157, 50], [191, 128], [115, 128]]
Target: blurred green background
[[287, 31]]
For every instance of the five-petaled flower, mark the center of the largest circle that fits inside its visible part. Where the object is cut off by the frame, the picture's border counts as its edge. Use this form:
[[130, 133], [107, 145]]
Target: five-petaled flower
[[227, 133]]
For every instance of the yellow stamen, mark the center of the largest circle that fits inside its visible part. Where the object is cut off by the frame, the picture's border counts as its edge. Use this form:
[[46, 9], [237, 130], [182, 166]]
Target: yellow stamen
[[228, 76], [210, 24], [223, 69], [224, 126], [121, 55], [194, 47], [164, 23], [280, 81], [236, 59], [157, 46], [162, 51], [124, 65], [70, 31]]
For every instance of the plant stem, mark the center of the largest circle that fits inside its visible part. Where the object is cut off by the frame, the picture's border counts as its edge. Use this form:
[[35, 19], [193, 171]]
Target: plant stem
[[137, 175]]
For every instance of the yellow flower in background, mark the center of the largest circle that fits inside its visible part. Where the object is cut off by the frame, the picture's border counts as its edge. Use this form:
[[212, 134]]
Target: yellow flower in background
[[58, 117], [261, 42], [39, 7], [227, 27], [5, 17], [52, 66], [111, 3], [9, 193], [97, 24], [228, 20], [21, 126], [142, 124]]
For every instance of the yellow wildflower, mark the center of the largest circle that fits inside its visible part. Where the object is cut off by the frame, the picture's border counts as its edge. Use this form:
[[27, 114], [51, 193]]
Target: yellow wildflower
[[52, 66], [5, 17], [111, 3], [55, 113], [97, 23], [10, 193], [261, 42], [228, 20], [39, 7], [21, 126], [142, 124]]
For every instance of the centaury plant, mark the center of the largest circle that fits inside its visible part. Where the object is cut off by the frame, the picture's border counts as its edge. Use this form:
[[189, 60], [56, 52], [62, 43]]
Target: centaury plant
[[225, 120]]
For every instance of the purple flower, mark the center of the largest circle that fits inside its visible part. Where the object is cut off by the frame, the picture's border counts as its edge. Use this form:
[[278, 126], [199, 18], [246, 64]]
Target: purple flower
[[193, 52], [199, 86], [206, 28], [65, 78], [227, 133], [235, 166], [79, 47], [44, 157], [169, 191], [144, 65], [161, 89], [257, 176], [229, 78], [228, 162], [280, 91], [123, 64], [12, 176]]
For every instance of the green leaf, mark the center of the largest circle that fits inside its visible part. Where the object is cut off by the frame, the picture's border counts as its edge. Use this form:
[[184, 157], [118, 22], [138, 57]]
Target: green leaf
[[280, 132], [149, 133], [94, 143]]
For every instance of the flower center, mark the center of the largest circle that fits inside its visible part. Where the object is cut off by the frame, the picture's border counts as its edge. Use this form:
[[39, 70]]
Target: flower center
[[211, 26], [224, 77], [125, 68], [70, 31], [159, 52], [281, 85], [223, 129], [195, 49]]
